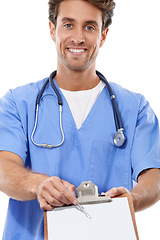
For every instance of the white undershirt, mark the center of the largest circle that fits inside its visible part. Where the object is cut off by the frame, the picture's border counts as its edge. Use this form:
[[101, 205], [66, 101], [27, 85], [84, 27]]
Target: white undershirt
[[81, 102]]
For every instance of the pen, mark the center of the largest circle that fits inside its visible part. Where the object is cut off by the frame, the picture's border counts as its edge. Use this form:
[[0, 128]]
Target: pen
[[82, 209]]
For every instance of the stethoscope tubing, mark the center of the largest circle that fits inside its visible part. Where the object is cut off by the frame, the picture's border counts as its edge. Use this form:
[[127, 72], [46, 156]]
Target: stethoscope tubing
[[60, 102], [119, 137], [117, 116]]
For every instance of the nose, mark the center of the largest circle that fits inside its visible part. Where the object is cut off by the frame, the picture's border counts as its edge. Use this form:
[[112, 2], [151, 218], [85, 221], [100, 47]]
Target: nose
[[78, 36]]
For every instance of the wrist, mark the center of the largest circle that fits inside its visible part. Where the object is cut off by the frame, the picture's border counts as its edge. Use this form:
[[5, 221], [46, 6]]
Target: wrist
[[37, 179], [133, 196], [138, 196]]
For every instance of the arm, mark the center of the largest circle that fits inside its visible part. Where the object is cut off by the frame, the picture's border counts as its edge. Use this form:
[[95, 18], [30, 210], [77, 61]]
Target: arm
[[23, 184], [145, 193]]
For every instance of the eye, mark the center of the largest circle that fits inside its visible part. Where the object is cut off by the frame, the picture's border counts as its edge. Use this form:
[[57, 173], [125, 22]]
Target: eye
[[67, 25], [90, 28]]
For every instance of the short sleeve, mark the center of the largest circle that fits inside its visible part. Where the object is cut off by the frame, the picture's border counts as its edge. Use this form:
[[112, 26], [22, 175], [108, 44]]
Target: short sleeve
[[12, 134], [146, 145]]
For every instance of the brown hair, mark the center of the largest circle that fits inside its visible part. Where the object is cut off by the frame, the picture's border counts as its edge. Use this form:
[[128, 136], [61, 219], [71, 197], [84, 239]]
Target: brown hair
[[106, 7]]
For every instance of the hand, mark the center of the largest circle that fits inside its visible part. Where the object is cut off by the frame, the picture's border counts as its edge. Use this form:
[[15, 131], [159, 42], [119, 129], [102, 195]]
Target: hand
[[114, 192], [55, 192]]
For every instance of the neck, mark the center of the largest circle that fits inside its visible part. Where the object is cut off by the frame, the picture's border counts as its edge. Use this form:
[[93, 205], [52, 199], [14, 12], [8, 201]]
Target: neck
[[76, 80]]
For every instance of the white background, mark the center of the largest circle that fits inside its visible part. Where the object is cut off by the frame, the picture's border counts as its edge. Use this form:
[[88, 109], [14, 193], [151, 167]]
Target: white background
[[130, 57]]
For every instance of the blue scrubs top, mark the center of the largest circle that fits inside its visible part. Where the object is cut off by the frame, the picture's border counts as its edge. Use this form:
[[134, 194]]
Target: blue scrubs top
[[86, 154]]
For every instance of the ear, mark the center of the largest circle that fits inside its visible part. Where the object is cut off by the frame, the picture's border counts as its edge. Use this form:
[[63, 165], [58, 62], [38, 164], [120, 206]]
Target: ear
[[103, 37], [52, 31]]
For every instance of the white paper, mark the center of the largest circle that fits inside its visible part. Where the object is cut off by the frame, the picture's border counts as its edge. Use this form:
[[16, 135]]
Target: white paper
[[108, 221]]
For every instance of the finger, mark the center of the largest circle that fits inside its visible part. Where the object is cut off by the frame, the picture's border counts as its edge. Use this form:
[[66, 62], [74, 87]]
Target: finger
[[44, 205], [57, 192], [72, 189], [114, 192], [59, 195], [70, 186], [48, 190], [52, 200], [65, 191], [48, 202]]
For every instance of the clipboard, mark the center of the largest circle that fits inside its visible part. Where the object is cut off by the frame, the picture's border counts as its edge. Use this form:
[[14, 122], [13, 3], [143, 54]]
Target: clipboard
[[113, 218]]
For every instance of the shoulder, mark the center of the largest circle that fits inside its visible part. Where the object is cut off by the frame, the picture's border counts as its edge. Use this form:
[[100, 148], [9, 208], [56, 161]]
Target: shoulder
[[20, 102], [28, 90], [128, 98], [26, 93], [120, 91]]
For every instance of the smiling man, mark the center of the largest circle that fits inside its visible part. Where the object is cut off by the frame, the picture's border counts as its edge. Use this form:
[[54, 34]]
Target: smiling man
[[78, 35], [41, 176]]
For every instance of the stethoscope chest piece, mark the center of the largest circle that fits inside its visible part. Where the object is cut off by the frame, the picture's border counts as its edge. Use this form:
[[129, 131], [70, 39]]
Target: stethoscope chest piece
[[119, 138]]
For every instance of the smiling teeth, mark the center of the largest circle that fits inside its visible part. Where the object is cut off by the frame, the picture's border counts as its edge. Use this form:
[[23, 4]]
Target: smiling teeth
[[76, 50]]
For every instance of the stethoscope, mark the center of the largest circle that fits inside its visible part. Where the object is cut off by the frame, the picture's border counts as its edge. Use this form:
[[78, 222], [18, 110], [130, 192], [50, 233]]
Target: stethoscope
[[119, 138]]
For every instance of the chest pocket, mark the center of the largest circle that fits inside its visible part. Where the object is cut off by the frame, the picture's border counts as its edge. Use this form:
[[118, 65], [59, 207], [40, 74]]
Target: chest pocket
[[109, 166]]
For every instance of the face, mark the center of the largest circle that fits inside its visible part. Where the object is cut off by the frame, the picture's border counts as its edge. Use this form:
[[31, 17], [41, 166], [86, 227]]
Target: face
[[78, 34]]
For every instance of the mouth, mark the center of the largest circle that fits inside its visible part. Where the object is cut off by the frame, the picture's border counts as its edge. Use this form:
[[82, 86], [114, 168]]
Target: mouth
[[77, 50]]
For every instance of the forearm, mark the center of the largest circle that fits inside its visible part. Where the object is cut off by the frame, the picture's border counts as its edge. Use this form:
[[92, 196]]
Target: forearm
[[17, 181], [147, 191], [24, 185]]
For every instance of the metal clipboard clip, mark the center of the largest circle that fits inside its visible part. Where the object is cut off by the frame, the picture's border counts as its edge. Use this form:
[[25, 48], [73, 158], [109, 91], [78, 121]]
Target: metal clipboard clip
[[87, 193]]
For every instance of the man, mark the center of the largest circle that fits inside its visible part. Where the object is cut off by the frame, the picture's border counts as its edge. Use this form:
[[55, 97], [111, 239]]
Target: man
[[40, 179]]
